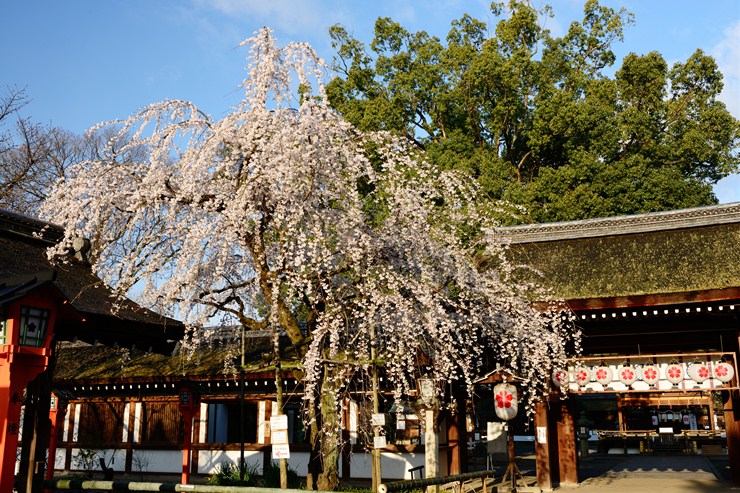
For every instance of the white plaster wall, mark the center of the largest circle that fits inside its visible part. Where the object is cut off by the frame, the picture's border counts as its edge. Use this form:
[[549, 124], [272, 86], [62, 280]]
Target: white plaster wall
[[393, 465], [299, 462], [164, 461], [209, 461], [117, 464], [59, 457]]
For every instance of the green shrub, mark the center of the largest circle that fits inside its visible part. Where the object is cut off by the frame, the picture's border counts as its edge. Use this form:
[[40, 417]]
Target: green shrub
[[227, 474]]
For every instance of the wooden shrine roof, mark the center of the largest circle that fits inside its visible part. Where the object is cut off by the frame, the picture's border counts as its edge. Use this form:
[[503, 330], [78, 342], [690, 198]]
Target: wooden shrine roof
[[645, 259], [24, 242]]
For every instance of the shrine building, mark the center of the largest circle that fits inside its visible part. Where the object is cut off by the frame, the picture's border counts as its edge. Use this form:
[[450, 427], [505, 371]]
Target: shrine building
[[657, 295]]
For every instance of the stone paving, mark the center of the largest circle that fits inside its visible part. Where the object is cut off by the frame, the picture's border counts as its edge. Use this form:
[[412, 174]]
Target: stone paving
[[650, 474]]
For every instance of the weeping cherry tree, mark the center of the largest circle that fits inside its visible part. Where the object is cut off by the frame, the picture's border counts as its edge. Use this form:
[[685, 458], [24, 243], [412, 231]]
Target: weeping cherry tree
[[283, 216]]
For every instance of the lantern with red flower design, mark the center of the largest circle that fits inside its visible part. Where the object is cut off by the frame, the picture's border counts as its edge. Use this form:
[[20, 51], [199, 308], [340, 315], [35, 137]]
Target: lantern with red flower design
[[699, 371], [724, 371], [674, 373], [583, 376], [627, 374], [650, 374], [604, 375], [559, 377], [505, 401]]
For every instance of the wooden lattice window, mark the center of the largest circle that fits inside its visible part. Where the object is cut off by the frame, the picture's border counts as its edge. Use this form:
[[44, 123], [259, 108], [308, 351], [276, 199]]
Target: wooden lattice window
[[101, 423], [162, 423]]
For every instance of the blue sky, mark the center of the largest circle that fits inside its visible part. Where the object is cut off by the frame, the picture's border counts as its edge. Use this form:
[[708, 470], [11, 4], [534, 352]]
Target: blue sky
[[87, 61]]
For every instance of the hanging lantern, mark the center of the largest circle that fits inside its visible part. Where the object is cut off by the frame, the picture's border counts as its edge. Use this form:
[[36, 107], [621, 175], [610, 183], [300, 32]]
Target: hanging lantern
[[686, 419], [654, 419], [560, 377], [724, 371], [699, 371], [627, 374], [505, 401], [583, 376], [604, 375], [674, 373], [650, 374]]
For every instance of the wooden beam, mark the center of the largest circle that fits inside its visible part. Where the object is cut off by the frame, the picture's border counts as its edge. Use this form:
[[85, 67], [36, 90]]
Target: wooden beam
[[657, 299]]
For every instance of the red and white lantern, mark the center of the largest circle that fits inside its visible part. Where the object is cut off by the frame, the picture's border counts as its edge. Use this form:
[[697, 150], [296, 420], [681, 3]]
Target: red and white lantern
[[654, 419], [627, 374], [583, 376], [686, 419], [650, 374], [674, 373], [560, 377], [724, 371], [604, 375], [505, 401], [699, 372]]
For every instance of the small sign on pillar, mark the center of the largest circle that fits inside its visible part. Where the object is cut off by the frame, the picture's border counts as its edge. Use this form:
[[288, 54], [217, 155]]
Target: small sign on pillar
[[279, 437]]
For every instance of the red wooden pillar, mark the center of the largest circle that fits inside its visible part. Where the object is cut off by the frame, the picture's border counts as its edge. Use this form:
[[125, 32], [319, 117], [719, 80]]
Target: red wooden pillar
[[189, 403], [57, 412], [543, 457], [567, 444]]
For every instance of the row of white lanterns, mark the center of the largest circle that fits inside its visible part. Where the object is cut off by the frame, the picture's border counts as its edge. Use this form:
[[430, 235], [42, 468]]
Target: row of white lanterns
[[650, 373]]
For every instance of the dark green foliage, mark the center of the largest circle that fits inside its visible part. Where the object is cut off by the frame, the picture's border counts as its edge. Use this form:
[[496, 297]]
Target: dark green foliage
[[535, 119]]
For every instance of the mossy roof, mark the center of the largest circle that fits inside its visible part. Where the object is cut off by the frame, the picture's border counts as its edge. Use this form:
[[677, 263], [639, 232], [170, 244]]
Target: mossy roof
[[684, 251], [100, 363]]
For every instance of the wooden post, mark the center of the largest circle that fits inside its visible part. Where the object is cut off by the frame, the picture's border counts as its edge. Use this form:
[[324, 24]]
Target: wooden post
[[567, 444], [431, 447], [346, 442], [457, 433], [732, 429], [542, 447]]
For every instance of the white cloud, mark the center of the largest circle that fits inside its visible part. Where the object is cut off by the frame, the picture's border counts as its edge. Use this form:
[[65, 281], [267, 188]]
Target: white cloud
[[727, 54], [286, 15]]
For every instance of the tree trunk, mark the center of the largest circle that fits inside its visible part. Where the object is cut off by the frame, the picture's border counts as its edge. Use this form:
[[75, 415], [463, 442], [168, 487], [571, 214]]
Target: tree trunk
[[326, 433]]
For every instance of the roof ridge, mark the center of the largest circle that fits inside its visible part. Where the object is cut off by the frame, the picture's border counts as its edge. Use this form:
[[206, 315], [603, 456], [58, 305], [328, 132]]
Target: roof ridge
[[622, 225], [30, 227]]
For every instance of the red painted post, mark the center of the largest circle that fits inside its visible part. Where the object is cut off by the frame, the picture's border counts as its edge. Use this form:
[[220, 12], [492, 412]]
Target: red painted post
[[56, 414], [189, 404]]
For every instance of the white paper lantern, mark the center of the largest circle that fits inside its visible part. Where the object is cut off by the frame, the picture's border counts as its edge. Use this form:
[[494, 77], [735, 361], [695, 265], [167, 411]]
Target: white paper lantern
[[724, 371], [654, 420], [627, 374], [699, 372], [505, 401], [686, 419], [560, 377], [650, 374], [674, 373], [604, 375], [583, 376]]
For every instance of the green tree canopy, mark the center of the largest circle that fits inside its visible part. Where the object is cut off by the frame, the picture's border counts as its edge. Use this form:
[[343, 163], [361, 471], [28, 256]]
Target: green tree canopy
[[537, 120]]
